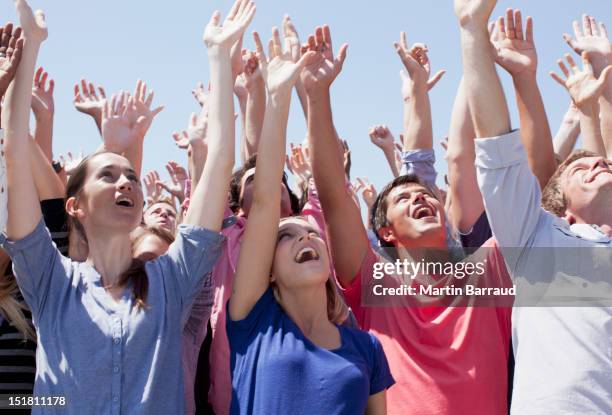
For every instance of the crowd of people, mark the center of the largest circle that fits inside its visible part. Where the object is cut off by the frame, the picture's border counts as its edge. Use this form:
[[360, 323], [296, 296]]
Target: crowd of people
[[226, 291]]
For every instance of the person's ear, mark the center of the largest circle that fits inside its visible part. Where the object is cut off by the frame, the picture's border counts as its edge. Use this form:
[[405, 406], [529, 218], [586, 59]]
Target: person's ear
[[72, 208], [387, 234]]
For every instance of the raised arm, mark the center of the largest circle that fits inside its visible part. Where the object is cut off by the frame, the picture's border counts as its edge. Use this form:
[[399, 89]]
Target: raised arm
[[23, 205], [260, 238], [567, 135], [515, 51], [418, 133], [381, 137], [88, 102], [585, 91], [593, 39], [255, 105], [345, 231], [467, 204], [43, 108], [209, 197], [485, 95]]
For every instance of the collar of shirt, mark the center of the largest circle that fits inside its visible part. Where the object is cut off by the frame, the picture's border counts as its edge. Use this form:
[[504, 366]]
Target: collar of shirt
[[584, 231]]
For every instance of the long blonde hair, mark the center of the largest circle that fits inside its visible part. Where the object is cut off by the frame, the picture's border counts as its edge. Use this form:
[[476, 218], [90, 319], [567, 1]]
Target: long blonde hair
[[11, 309]]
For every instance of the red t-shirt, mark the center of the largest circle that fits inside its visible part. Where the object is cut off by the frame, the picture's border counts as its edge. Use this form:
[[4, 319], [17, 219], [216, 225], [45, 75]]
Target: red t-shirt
[[445, 360]]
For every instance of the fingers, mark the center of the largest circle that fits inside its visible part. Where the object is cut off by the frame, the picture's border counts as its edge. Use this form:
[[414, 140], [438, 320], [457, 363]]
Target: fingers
[[327, 38], [259, 49], [501, 28], [577, 31], [102, 92], [434, 80], [215, 19], [603, 32], [586, 64], [586, 25], [563, 68], [572, 63], [342, 54], [276, 43], [529, 29], [510, 28], [518, 25], [51, 87], [403, 40], [593, 24], [37, 76]]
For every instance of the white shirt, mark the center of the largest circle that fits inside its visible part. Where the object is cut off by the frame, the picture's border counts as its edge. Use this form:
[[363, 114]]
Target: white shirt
[[562, 319]]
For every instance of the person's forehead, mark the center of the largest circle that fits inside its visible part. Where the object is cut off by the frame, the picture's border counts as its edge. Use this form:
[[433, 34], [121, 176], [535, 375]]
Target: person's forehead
[[160, 206], [110, 160], [300, 223], [408, 187]]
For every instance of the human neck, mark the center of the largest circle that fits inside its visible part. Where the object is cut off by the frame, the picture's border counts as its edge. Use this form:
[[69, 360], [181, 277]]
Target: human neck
[[110, 254], [604, 221], [307, 307]]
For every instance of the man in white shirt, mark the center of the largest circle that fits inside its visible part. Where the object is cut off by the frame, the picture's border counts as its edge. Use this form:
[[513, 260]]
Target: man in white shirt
[[563, 354]]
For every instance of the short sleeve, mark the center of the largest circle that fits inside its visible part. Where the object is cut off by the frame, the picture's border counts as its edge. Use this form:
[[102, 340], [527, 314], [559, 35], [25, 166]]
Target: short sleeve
[[420, 163], [39, 268], [239, 332], [189, 259], [380, 375], [352, 293]]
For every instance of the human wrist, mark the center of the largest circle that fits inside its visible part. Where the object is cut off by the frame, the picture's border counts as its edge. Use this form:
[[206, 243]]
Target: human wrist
[[524, 79]]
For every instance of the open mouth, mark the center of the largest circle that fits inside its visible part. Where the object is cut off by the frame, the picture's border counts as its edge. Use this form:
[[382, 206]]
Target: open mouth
[[305, 255], [423, 212], [125, 202]]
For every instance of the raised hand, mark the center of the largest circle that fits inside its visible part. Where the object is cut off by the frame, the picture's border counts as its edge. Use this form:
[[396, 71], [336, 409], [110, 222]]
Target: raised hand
[[87, 101], [33, 24], [71, 162], [152, 191], [591, 38], [382, 138], [514, 48], [299, 163], [139, 110], [474, 13], [319, 73], [280, 72], [367, 191], [200, 94], [181, 139], [292, 39], [234, 25], [42, 97], [416, 61], [118, 132], [581, 84], [11, 47], [178, 179]]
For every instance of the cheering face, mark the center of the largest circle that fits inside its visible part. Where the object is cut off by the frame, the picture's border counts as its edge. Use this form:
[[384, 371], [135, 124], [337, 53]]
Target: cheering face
[[301, 258], [111, 197], [161, 215], [587, 186], [415, 217], [246, 195]]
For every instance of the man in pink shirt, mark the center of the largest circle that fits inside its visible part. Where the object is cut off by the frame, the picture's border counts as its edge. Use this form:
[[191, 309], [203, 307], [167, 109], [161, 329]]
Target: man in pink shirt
[[445, 360]]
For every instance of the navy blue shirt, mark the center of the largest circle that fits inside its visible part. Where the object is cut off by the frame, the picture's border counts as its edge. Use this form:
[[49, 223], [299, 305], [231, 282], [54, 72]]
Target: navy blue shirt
[[277, 370]]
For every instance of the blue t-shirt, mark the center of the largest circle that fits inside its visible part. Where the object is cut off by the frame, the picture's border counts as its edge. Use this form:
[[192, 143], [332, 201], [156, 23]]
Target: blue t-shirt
[[277, 370]]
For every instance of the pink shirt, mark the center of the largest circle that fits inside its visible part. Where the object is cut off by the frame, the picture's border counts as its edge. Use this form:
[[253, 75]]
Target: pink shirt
[[445, 360]]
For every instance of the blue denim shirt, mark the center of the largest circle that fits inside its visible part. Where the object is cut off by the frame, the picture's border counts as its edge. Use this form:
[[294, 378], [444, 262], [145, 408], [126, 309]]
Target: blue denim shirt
[[106, 356]]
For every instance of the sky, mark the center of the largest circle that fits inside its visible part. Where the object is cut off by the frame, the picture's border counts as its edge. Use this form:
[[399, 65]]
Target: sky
[[116, 42]]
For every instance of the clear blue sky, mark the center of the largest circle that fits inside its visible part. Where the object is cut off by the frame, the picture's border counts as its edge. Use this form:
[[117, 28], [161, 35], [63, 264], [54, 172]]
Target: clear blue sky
[[115, 42]]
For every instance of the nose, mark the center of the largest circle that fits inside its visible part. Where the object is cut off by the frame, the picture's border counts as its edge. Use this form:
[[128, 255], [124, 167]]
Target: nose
[[304, 236], [418, 197], [164, 215], [599, 162], [124, 183]]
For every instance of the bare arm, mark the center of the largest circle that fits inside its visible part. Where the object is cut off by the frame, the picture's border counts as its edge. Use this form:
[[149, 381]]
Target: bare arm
[[346, 234], [515, 51], [48, 183], [585, 90], [593, 39], [23, 205], [467, 204], [255, 105], [567, 135], [260, 238], [43, 108], [209, 197], [485, 95]]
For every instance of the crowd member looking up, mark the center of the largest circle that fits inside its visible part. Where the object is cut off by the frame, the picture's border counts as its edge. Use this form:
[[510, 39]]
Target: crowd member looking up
[[113, 296]]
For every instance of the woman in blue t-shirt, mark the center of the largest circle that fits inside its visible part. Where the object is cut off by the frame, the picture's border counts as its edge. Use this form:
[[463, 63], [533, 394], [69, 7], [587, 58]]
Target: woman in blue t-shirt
[[287, 354]]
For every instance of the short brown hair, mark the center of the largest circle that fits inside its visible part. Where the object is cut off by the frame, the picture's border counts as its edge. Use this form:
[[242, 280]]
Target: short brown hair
[[553, 198], [378, 219]]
